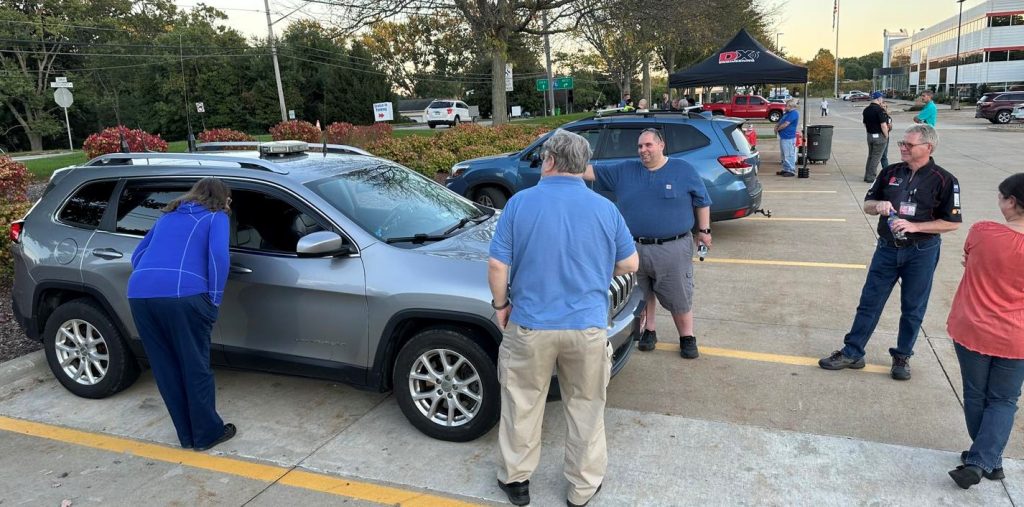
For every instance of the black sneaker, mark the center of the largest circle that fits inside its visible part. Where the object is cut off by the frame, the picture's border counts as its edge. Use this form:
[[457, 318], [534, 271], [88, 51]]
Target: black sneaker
[[838, 361], [648, 339], [688, 347], [995, 475], [966, 476], [229, 431], [584, 504], [518, 492], [900, 368]]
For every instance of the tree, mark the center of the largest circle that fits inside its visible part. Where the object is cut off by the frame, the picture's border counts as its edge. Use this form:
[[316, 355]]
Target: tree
[[424, 56], [524, 55], [821, 68], [492, 23]]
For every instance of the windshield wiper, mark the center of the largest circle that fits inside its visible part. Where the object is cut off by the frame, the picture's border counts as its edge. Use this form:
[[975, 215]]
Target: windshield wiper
[[463, 221], [417, 239]]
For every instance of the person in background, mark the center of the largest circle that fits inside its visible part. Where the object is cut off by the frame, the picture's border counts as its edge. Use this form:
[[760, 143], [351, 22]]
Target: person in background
[[666, 103], [626, 100], [929, 113], [986, 323], [878, 134], [178, 275], [824, 106], [641, 107], [555, 250], [916, 201], [786, 130], [888, 122]]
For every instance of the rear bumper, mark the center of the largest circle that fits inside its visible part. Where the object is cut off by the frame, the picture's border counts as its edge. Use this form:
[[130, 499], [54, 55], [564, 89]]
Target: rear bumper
[[24, 321], [718, 215]]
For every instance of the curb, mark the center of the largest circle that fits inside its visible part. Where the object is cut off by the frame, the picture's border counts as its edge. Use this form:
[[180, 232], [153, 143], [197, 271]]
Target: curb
[[21, 367], [1006, 128]]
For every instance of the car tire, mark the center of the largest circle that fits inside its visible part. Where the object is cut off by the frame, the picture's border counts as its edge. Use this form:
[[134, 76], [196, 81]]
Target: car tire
[[774, 116], [478, 402], [86, 352], [1003, 117], [432, 125], [492, 197]]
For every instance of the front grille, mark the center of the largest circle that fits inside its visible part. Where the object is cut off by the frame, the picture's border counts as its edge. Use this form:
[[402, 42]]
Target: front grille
[[618, 293]]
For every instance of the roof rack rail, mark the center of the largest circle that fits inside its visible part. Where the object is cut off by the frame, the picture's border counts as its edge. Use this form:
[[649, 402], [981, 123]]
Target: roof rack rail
[[340, 148], [255, 145], [243, 162]]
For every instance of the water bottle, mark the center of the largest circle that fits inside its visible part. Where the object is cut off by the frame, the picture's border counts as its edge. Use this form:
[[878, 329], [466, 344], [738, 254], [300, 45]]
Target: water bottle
[[702, 251], [899, 235]]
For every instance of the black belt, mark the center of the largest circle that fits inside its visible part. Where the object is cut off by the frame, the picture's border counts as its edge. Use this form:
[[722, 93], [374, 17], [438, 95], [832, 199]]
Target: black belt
[[658, 241], [903, 243]]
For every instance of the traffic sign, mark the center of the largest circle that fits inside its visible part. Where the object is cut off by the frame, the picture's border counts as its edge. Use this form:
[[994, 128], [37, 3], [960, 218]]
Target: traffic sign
[[63, 97], [542, 85], [508, 77], [200, 107], [563, 83], [61, 84], [61, 79]]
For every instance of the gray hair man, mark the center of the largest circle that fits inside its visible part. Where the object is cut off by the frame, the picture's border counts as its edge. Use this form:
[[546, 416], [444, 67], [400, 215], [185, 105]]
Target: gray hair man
[[916, 201], [555, 250]]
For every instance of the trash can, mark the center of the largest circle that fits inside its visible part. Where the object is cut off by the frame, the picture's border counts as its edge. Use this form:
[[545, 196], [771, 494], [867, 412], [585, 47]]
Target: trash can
[[819, 143]]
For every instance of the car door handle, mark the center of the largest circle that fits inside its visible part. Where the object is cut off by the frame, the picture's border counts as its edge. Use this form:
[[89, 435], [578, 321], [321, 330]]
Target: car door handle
[[235, 268], [107, 253]]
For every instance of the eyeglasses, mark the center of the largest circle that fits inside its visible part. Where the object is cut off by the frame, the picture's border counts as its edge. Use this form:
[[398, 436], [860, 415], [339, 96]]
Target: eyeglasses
[[904, 144], [656, 132]]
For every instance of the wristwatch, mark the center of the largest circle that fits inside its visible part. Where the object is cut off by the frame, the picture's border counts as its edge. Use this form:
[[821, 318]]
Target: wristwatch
[[705, 231], [502, 307]]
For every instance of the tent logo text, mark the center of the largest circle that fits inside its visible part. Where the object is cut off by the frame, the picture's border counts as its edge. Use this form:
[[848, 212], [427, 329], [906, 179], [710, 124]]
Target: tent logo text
[[740, 56]]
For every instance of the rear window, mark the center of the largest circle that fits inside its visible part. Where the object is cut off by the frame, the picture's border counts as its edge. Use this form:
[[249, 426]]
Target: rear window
[[86, 207], [441, 104], [738, 140], [680, 138]]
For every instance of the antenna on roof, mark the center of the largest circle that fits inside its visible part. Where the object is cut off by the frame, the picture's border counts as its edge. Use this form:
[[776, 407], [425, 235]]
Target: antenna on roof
[[324, 135], [184, 90], [124, 143]]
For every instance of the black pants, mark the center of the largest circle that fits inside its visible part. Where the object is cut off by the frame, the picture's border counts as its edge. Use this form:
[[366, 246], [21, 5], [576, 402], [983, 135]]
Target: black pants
[[176, 335]]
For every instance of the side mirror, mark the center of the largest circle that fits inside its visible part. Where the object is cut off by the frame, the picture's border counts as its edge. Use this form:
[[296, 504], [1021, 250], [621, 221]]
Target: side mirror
[[322, 243], [535, 160]]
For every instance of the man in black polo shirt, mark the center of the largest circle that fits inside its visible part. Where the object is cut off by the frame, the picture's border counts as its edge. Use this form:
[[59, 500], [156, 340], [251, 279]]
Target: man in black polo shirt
[[877, 126], [924, 201]]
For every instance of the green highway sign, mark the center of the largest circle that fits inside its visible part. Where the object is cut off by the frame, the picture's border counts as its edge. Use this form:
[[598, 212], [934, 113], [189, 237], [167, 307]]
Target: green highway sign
[[561, 83]]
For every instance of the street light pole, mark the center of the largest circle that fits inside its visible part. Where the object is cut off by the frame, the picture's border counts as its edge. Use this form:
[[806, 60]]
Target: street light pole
[[277, 68], [955, 103]]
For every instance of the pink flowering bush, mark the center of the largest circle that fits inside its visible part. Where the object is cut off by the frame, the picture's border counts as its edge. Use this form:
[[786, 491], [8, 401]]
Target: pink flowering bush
[[223, 135], [359, 136], [14, 178], [295, 130], [109, 141]]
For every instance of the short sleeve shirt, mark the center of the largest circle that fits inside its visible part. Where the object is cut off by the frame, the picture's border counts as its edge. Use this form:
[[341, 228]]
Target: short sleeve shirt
[[874, 117], [929, 113], [655, 204], [793, 117], [931, 194], [561, 241]]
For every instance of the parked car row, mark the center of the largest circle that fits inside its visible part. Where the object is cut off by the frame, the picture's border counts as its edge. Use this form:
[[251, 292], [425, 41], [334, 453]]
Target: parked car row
[[998, 107]]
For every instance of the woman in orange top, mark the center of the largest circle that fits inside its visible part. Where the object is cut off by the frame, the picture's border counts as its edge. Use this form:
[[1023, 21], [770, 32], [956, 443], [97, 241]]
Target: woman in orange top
[[987, 325]]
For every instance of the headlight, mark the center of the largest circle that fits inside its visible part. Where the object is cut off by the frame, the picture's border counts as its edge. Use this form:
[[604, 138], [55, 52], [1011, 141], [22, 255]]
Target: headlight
[[459, 169]]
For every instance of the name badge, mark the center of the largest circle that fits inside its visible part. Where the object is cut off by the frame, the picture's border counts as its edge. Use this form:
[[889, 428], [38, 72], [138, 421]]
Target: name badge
[[908, 209], [874, 136]]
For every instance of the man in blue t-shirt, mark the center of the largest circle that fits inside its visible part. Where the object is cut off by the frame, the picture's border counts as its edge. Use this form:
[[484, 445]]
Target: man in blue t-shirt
[[786, 130], [929, 112], [555, 250], [659, 198]]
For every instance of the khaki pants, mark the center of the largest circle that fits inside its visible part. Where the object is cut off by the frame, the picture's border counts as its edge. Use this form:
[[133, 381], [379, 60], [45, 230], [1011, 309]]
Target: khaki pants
[[526, 359]]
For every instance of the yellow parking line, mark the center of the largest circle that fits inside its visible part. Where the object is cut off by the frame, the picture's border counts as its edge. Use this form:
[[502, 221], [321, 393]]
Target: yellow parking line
[[763, 357], [322, 483], [799, 191], [796, 219], [756, 262]]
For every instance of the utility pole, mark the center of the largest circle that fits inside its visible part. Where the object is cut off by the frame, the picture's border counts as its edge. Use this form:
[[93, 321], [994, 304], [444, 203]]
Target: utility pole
[[277, 68], [955, 103], [547, 55]]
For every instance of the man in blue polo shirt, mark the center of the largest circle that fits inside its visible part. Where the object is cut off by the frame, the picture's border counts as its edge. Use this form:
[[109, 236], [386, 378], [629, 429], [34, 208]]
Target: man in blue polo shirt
[[929, 112], [555, 250], [786, 130], [659, 197]]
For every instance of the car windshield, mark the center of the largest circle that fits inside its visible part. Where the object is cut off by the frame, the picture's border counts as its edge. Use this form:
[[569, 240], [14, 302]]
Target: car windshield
[[440, 104], [391, 202]]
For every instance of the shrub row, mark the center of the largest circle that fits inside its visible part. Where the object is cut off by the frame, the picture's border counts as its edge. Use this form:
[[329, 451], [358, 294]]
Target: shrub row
[[223, 136], [14, 178], [109, 141], [430, 155]]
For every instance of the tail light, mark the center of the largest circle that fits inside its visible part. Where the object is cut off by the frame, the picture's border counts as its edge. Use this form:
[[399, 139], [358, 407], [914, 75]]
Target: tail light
[[449, 110], [736, 164], [16, 229]]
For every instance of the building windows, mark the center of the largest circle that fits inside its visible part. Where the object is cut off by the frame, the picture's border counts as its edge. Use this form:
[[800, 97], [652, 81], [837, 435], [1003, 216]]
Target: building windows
[[1016, 55], [997, 56], [1010, 20]]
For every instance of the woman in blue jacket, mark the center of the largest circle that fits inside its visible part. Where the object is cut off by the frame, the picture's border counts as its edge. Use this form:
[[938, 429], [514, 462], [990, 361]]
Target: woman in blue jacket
[[178, 277]]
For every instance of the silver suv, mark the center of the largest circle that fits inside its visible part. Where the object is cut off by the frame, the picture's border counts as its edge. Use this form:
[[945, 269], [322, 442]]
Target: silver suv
[[343, 266]]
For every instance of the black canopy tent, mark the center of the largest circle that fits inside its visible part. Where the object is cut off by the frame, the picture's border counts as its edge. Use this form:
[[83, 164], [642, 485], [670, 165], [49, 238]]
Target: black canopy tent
[[743, 61]]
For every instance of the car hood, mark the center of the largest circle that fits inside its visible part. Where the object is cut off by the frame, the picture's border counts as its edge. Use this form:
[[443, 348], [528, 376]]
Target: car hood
[[490, 158], [472, 245]]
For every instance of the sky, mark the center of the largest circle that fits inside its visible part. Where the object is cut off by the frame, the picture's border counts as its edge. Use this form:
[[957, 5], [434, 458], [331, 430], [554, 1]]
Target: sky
[[806, 25]]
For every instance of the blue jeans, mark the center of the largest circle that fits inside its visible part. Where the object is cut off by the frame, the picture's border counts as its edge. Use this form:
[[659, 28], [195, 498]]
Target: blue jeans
[[914, 266], [788, 149], [991, 389]]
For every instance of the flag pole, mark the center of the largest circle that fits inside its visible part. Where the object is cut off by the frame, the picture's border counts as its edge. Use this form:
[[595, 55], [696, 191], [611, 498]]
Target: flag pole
[[835, 20]]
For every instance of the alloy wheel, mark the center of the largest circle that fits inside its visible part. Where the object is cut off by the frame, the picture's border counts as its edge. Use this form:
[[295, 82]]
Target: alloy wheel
[[82, 352], [445, 387]]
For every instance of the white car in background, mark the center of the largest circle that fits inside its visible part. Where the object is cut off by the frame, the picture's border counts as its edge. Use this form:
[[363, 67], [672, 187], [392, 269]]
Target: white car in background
[[1018, 113], [846, 96], [449, 112]]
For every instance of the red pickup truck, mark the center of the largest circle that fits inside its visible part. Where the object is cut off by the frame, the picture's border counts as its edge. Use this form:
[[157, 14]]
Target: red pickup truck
[[748, 106]]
